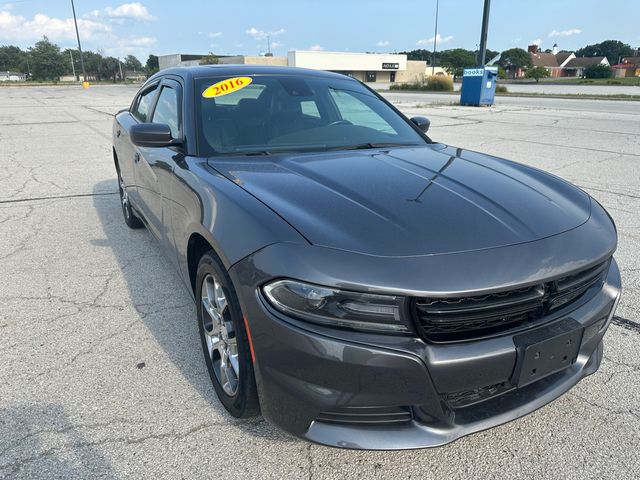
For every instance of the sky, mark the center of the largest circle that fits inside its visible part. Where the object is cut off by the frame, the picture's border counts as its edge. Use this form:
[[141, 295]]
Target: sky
[[161, 27]]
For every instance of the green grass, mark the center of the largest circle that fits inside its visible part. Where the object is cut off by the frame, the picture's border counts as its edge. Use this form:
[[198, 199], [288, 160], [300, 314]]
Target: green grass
[[627, 81]]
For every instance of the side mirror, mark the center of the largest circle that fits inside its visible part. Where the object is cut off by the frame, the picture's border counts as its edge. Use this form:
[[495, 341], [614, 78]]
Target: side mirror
[[152, 135], [422, 123]]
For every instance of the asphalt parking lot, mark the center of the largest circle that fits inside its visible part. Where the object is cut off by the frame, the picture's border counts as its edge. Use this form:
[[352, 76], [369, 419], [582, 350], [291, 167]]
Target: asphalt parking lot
[[101, 367]]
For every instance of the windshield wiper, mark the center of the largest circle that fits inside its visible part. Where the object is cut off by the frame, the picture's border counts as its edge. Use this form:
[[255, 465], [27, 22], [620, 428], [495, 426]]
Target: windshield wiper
[[249, 153], [362, 146]]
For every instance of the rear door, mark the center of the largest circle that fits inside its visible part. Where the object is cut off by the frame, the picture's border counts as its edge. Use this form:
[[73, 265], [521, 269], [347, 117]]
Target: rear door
[[154, 166]]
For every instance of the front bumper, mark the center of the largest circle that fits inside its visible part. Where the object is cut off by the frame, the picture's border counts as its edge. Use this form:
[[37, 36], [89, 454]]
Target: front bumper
[[303, 372]]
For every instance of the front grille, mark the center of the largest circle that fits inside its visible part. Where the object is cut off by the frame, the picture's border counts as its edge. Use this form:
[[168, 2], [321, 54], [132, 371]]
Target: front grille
[[476, 316], [367, 415]]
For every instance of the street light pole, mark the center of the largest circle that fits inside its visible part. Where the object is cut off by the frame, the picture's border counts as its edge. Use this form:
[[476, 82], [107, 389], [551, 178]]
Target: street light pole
[[483, 33], [73, 67], [435, 42], [84, 73]]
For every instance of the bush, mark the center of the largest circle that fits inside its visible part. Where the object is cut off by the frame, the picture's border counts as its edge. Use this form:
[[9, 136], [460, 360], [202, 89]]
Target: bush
[[501, 89], [439, 83], [435, 83], [597, 71]]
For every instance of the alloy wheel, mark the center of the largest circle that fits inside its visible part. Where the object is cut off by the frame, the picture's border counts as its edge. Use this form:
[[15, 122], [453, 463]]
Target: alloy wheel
[[220, 335]]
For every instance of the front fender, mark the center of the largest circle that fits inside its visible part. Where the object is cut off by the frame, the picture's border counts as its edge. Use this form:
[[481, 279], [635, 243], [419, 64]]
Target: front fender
[[232, 221]]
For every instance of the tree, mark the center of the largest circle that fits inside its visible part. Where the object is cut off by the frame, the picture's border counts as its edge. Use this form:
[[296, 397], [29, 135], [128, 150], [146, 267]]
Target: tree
[[152, 65], [47, 62], [13, 59], [515, 58], [455, 60], [490, 54], [597, 71], [210, 59], [92, 62], [537, 73], [419, 54], [132, 63], [612, 49], [109, 68]]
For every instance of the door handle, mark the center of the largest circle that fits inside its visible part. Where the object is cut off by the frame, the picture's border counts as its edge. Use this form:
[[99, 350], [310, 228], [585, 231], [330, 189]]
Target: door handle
[[118, 133], [136, 157]]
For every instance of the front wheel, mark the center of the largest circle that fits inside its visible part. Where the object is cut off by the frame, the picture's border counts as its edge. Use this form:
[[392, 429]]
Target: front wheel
[[224, 339]]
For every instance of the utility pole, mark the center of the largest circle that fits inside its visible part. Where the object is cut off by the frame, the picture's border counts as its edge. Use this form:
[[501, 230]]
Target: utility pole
[[268, 44], [435, 42], [84, 73], [483, 33], [120, 65], [73, 67]]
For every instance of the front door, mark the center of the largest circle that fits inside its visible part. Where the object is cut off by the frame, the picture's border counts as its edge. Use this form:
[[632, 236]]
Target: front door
[[154, 166]]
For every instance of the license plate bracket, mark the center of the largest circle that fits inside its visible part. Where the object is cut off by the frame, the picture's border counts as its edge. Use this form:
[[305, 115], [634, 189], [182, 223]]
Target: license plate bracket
[[547, 350]]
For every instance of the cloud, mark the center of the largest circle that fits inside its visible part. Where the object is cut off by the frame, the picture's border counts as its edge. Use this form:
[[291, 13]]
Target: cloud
[[138, 46], [261, 34], [537, 41], [276, 44], [6, 6], [439, 38], [16, 27], [211, 34], [565, 33], [127, 11], [316, 48], [139, 41], [383, 43]]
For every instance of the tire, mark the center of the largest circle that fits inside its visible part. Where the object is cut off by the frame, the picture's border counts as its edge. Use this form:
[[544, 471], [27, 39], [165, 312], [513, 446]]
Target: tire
[[130, 218], [222, 329]]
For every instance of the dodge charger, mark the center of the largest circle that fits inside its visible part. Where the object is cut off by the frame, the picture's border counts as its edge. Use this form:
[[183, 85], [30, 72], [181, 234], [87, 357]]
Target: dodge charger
[[356, 282]]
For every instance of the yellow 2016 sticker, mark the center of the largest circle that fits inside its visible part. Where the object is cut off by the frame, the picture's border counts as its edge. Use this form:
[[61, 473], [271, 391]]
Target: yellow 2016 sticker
[[226, 86]]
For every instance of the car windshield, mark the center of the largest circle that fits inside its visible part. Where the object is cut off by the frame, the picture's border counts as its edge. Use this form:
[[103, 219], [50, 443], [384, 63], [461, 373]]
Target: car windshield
[[273, 113]]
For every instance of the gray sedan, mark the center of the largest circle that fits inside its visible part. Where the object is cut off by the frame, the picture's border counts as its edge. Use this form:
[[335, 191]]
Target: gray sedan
[[356, 282]]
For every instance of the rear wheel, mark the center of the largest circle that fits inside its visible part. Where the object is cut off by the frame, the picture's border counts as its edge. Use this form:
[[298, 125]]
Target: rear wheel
[[130, 218], [224, 339]]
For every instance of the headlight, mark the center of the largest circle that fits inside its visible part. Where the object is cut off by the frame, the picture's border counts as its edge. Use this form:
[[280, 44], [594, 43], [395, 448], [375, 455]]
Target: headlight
[[337, 308]]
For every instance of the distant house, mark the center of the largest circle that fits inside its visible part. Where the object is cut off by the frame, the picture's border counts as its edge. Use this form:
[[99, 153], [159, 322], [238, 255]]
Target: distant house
[[562, 63], [554, 61], [12, 77], [134, 76], [576, 66], [628, 67]]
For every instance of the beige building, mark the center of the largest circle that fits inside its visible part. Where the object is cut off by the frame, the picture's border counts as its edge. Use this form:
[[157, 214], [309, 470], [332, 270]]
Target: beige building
[[379, 68]]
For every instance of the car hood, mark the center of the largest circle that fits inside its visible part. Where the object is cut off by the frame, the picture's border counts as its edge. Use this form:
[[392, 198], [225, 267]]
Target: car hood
[[410, 201]]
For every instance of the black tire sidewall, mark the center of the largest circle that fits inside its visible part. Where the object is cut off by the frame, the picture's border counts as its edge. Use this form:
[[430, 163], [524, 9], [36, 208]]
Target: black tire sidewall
[[244, 403], [130, 218]]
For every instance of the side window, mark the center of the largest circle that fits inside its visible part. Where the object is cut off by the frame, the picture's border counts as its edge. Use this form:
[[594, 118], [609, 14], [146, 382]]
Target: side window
[[143, 105], [167, 110], [356, 112]]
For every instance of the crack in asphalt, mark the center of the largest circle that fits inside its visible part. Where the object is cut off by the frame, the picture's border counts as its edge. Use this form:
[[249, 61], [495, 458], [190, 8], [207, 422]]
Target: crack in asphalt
[[626, 323], [309, 462], [37, 123], [56, 197], [14, 467]]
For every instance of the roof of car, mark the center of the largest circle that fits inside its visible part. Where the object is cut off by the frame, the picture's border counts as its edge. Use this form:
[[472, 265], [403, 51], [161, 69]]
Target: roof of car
[[203, 71]]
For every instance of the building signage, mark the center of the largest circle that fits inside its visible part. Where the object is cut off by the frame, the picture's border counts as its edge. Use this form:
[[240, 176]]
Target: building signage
[[390, 66]]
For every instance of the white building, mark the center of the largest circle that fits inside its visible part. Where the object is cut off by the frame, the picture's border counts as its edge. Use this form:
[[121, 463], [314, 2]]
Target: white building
[[380, 68], [12, 77]]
